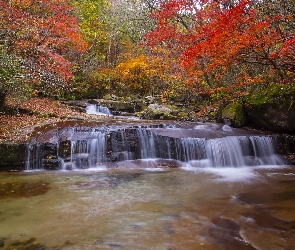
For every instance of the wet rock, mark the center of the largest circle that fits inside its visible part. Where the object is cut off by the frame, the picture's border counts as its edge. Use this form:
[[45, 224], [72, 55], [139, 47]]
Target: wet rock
[[12, 156], [263, 219], [235, 113], [265, 198], [226, 233], [2, 241], [51, 164]]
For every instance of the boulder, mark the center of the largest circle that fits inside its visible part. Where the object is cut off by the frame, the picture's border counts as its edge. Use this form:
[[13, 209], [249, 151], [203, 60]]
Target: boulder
[[272, 109], [235, 113], [12, 156]]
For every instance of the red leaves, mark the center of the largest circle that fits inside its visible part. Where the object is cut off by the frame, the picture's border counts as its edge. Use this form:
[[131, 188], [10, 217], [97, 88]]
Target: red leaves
[[223, 34], [43, 32]]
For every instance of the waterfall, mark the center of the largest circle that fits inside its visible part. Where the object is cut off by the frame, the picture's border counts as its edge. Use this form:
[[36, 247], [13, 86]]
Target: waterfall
[[94, 109], [88, 153], [92, 147]]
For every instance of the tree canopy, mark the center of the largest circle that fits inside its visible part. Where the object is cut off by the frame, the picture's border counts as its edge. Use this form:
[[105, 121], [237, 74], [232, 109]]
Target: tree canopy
[[93, 47], [240, 42]]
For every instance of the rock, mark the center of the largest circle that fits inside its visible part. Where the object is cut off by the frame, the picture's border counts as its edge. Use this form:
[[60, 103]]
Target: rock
[[156, 111], [149, 99], [118, 105], [272, 109], [235, 113], [12, 156]]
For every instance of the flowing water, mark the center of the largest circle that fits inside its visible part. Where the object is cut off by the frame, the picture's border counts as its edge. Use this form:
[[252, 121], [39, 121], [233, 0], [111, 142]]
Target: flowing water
[[176, 144], [94, 109], [214, 208], [168, 186]]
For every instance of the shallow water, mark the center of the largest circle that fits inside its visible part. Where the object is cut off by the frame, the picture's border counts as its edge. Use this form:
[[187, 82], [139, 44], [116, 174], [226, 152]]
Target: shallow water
[[183, 208]]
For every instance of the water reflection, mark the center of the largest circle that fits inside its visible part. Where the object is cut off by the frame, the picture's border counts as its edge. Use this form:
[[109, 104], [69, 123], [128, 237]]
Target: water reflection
[[164, 209]]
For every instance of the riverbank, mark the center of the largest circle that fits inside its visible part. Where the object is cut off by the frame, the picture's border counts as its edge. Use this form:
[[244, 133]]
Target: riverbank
[[20, 119]]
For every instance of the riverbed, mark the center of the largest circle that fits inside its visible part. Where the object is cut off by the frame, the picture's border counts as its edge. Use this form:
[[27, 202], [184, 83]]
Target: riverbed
[[159, 208]]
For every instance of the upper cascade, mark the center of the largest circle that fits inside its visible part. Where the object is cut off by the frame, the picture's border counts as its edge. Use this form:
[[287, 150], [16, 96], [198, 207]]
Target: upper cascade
[[94, 109]]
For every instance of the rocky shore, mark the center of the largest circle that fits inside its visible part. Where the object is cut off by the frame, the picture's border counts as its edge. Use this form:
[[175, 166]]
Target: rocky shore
[[274, 116]]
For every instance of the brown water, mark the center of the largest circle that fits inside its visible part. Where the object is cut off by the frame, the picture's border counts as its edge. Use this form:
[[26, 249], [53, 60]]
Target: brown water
[[140, 209]]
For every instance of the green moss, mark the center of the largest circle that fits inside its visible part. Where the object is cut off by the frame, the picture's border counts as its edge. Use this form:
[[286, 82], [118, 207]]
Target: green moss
[[10, 152], [235, 113], [270, 94], [168, 116]]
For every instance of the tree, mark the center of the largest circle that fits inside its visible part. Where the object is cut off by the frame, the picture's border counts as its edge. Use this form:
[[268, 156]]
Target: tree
[[44, 34], [113, 30], [218, 40], [11, 76]]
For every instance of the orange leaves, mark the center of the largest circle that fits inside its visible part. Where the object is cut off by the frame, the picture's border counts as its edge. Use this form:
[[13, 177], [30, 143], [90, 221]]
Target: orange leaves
[[220, 35], [43, 32]]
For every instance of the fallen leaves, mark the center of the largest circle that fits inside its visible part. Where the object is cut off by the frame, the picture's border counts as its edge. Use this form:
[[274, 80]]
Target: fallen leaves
[[34, 112]]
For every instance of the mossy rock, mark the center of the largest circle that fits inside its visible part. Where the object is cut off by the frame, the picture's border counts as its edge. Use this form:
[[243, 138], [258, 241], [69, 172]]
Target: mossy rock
[[235, 113], [12, 156], [168, 116], [155, 111], [272, 108]]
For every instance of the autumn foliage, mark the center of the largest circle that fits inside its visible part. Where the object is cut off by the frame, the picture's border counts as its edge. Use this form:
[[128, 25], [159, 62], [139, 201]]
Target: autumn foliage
[[87, 49], [45, 34], [243, 41]]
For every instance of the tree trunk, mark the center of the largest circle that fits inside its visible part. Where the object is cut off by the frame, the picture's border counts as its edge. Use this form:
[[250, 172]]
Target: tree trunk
[[2, 99]]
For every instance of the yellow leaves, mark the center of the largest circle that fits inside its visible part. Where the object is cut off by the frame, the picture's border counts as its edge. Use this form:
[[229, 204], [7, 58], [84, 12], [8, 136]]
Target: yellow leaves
[[138, 63]]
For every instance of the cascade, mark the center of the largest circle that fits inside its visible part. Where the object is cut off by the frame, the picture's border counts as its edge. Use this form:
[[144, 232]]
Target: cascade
[[97, 110], [92, 147]]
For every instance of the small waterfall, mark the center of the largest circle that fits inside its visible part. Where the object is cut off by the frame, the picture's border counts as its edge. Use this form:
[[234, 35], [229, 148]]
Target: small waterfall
[[34, 157], [94, 109], [147, 142], [121, 149], [88, 153], [93, 147], [263, 148], [225, 152]]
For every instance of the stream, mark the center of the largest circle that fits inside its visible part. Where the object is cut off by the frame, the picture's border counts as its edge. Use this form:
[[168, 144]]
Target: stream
[[149, 185], [144, 209]]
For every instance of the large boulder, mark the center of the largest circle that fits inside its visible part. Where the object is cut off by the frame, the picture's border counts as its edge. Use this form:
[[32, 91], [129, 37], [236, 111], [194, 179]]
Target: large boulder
[[235, 113], [272, 109], [12, 156]]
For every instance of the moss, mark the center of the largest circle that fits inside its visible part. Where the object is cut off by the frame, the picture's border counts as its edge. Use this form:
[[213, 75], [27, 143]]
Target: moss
[[168, 116], [235, 113], [270, 94], [11, 152]]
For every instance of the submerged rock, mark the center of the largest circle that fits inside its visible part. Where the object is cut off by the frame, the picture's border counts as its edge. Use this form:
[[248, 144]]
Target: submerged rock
[[23, 189], [27, 244]]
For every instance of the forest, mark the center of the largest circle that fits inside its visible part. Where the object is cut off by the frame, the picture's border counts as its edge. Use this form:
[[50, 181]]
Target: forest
[[211, 50]]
